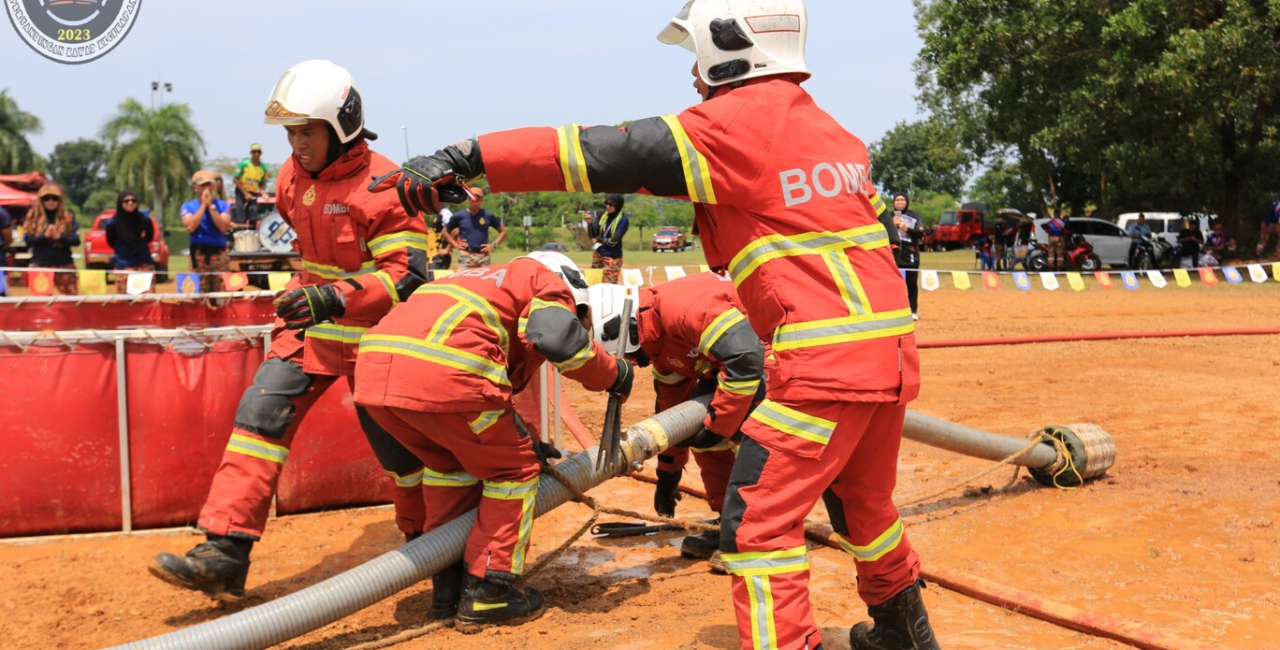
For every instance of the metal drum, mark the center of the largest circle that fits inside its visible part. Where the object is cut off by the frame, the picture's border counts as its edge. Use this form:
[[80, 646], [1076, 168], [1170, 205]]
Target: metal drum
[[276, 235], [246, 241]]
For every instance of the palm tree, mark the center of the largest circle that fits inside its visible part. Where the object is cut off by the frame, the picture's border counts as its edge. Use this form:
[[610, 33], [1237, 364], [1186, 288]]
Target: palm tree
[[153, 150], [16, 155]]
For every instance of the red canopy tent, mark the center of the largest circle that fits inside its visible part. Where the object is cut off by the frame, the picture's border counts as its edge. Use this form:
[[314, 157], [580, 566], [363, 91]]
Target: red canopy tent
[[28, 182], [10, 197]]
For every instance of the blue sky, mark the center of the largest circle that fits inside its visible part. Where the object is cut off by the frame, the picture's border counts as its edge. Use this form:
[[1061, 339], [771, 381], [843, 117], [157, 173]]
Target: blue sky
[[444, 70]]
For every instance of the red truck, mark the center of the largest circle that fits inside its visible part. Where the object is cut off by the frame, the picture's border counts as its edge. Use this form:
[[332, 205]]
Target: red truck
[[97, 252], [959, 228]]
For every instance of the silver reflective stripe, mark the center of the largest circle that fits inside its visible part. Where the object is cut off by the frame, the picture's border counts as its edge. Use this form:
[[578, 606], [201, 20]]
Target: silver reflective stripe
[[779, 417], [840, 330], [477, 367], [763, 612], [571, 155], [521, 491], [838, 264], [768, 563], [773, 248]]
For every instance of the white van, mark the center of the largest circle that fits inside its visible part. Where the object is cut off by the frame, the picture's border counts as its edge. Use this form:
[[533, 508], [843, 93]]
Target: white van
[[1166, 224]]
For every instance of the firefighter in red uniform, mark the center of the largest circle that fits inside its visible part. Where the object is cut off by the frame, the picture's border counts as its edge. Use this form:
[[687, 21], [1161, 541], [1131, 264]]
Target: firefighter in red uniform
[[785, 205], [361, 254], [693, 334], [439, 373]]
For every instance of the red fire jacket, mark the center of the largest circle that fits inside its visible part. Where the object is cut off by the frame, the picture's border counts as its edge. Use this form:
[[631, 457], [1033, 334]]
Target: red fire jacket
[[364, 242], [784, 205], [466, 343], [694, 328]]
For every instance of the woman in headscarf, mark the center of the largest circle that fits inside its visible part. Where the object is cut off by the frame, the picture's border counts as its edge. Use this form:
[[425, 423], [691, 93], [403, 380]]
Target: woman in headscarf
[[51, 231], [130, 233], [910, 231]]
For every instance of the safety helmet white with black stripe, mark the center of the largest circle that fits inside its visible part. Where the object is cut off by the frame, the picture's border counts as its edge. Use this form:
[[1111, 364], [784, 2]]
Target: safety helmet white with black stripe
[[318, 90], [736, 40], [607, 302], [564, 267]]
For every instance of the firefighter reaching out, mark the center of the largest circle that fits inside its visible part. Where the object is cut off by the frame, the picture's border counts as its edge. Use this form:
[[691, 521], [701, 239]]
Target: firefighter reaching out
[[439, 373], [693, 334]]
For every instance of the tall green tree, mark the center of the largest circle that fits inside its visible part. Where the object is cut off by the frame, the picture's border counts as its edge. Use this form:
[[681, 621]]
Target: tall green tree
[[80, 166], [155, 151], [920, 156], [16, 154]]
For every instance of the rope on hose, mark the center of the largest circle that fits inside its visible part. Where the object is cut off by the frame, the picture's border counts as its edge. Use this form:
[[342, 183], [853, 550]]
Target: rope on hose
[[951, 486]]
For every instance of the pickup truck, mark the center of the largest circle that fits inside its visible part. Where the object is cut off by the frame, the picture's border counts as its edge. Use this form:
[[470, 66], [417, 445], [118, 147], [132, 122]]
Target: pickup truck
[[97, 252], [668, 238]]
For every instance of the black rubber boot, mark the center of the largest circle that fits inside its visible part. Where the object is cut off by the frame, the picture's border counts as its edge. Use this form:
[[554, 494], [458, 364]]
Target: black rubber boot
[[446, 591], [703, 545], [217, 567], [901, 623], [489, 602]]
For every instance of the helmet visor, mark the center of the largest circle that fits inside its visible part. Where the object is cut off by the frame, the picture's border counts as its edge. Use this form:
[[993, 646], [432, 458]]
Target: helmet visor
[[677, 32]]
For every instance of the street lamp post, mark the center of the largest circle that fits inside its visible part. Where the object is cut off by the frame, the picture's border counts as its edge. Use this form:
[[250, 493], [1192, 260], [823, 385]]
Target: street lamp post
[[158, 89], [406, 142]]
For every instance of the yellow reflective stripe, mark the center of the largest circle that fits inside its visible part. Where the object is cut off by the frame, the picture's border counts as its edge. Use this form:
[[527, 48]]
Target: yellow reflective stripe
[[487, 313], [717, 329], [697, 172], [242, 444], [486, 420], [447, 479], [396, 240], [878, 204], [740, 387], [435, 353], [447, 322], [796, 423], [511, 490], [385, 278], [723, 445], [843, 330], [336, 273], [772, 247], [886, 542], [764, 631], [539, 303], [762, 563], [335, 332], [484, 607], [578, 360], [668, 379], [847, 281], [407, 481], [572, 161], [526, 527]]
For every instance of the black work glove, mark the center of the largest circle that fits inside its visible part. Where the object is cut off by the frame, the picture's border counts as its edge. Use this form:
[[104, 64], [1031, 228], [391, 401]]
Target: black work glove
[[704, 439], [306, 306], [546, 451], [427, 181], [626, 376], [667, 493]]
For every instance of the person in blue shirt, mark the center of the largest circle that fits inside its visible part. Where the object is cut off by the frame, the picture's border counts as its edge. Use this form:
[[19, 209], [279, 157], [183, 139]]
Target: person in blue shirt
[[129, 234], [6, 240], [208, 219], [468, 231], [1137, 231], [608, 232]]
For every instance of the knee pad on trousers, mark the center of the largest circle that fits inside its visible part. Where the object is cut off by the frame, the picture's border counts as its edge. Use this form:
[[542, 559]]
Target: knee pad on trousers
[[267, 406], [747, 469], [392, 455]]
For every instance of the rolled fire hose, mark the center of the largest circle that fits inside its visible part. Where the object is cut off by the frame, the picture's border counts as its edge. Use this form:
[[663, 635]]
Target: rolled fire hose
[[382, 577]]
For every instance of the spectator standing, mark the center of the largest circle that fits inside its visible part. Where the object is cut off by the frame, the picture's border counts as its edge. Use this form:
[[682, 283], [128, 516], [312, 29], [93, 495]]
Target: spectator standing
[[251, 184], [1269, 237], [1057, 229], [51, 231], [1189, 242], [208, 219], [608, 231], [6, 240], [1137, 231], [129, 234], [468, 231], [442, 254], [1219, 244], [910, 229]]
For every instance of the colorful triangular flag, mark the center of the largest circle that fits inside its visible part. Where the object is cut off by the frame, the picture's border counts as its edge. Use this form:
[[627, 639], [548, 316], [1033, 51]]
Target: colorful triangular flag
[[1103, 278], [235, 281], [1157, 279], [139, 282], [1257, 273], [675, 272], [93, 282], [1049, 281], [1208, 277], [1021, 280], [1275, 271], [1233, 274], [1076, 281], [704, 268], [188, 284], [1130, 280], [929, 280], [1182, 277], [991, 281], [40, 283], [961, 280], [278, 280]]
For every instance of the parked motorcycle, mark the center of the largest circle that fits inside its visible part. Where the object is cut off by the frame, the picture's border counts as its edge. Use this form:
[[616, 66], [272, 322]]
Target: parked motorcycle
[[1079, 254], [1151, 252]]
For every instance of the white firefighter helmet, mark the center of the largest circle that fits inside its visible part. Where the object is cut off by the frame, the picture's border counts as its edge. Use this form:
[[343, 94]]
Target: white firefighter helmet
[[318, 90], [736, 40], [607, 301], [564, 267]]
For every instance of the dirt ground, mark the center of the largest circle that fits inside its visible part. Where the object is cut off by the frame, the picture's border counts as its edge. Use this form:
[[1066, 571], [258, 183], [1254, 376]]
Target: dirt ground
[[1180, 535]]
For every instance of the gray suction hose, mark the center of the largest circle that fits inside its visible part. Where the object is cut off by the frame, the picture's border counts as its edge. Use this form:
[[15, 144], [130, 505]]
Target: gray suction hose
[[316, 606]]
